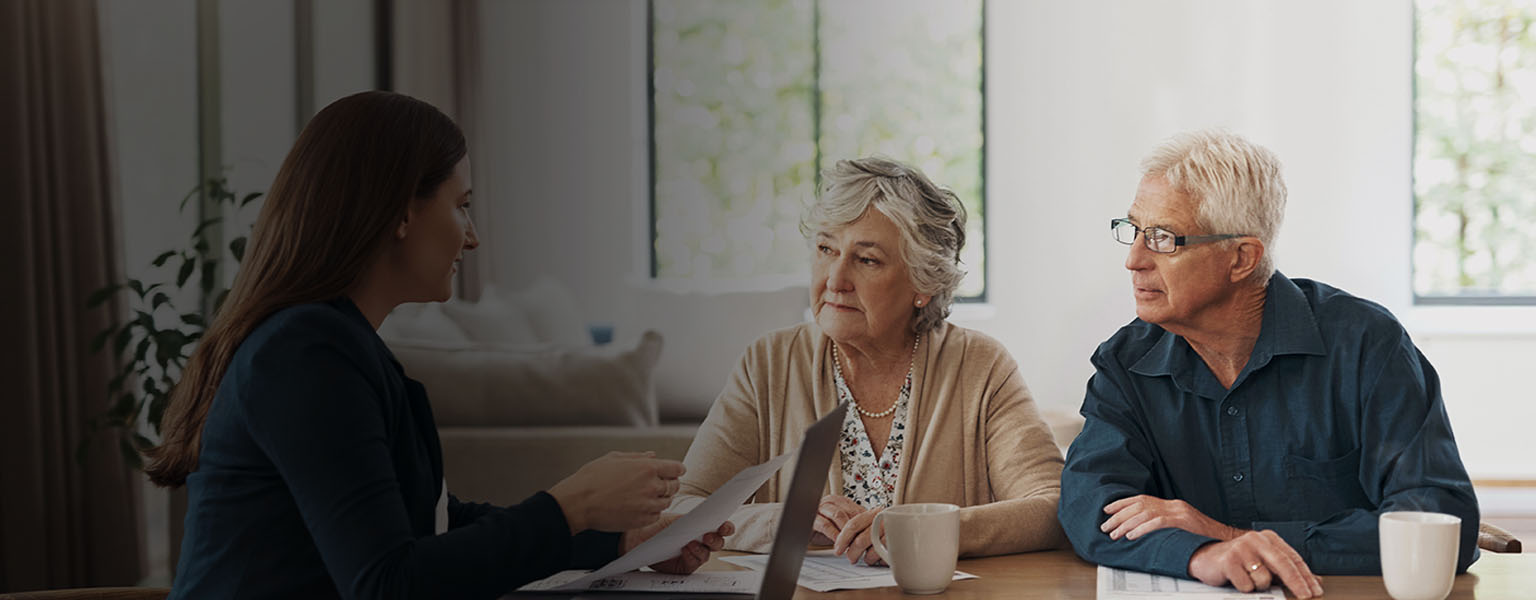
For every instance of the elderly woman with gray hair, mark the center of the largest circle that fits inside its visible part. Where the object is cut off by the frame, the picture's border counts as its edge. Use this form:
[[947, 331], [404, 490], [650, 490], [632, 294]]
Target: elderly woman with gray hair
[[941, 412]]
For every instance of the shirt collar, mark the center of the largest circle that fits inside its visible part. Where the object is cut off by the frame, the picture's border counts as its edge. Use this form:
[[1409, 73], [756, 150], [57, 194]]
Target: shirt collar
[[1289, 327]]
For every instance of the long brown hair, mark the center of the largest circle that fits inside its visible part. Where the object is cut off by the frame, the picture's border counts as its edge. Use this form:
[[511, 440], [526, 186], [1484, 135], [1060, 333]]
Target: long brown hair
[[344, 187]]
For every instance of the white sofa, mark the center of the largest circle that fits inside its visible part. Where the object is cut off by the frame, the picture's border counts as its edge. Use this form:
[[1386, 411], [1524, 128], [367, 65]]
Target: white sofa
[[522, 397]]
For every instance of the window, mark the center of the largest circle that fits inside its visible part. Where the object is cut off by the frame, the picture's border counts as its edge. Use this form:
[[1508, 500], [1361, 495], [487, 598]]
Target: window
[[751, 100], [1474, 164]]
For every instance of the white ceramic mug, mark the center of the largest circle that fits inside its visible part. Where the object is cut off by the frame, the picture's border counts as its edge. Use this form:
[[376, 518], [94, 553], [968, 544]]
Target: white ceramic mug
[[921, 544], [1418, 553]]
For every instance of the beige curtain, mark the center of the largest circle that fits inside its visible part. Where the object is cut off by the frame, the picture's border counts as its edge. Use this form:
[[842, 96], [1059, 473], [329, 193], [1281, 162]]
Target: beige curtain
[[437, 59], [63, 522]]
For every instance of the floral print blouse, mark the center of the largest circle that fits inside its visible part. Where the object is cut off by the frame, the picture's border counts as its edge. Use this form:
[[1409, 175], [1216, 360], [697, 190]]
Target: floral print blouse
[[869, 480]]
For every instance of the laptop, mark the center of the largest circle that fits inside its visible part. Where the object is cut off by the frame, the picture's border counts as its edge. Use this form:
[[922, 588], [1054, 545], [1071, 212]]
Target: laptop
[[782, 574]]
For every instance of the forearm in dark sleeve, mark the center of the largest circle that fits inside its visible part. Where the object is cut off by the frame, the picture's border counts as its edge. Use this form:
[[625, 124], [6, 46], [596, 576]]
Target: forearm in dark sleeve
[[1104, 464]]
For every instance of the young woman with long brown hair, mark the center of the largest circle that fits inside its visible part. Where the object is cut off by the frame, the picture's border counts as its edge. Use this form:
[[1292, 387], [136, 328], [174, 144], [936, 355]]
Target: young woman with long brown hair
[[312, 462]]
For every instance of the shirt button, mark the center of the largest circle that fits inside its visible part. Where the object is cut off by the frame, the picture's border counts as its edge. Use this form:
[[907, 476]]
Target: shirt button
[[1237, 477], [1232, 411]]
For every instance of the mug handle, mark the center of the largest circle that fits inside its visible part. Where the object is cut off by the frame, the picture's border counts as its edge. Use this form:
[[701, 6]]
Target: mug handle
[[877, 543]]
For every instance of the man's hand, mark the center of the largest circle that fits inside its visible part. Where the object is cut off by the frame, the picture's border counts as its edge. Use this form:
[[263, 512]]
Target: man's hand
[[833, 512], [693, 556], [854, 540], [1137, 516], [1250, 561]]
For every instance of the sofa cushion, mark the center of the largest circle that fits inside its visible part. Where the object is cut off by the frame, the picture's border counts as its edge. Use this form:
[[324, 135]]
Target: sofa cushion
[[492, 319], [497, 385], [504, 465], [422, 322]]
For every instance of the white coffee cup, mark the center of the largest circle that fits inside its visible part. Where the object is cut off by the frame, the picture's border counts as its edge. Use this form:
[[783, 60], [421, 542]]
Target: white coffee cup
[[1418, 553], [921, 544]]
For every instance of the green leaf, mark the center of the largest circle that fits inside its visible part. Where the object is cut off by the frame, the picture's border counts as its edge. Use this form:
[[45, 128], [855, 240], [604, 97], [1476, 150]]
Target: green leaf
[[249, 198], [164, 256], [192, 319], [168, 344], [157, 411], [237, 247], [142, 350], [137, 287], [150, 387], [160, 298], [124, 336], [100, 341], [219, 301], [146, 320], [102, 295], [206, 224], [187, 265], [141, 442], [189, 196]]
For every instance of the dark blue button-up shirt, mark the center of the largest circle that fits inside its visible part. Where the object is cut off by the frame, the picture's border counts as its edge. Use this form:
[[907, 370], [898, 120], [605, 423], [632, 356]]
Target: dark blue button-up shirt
[[1335, 419]]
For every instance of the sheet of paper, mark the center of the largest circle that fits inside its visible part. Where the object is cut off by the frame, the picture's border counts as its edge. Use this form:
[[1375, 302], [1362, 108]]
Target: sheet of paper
[[711, 582], [824, 572], [1120, 584], [704, 518]]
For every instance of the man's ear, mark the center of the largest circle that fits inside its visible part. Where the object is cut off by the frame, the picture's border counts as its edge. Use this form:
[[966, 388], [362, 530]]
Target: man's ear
[[1246, 260]]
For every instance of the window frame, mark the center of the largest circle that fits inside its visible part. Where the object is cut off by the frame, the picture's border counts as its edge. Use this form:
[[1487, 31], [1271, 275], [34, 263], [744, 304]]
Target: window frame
[[1433, 300], [652, 273]]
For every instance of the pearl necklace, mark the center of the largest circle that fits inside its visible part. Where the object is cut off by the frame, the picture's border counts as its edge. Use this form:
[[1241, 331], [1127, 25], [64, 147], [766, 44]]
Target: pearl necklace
[[837, 365]]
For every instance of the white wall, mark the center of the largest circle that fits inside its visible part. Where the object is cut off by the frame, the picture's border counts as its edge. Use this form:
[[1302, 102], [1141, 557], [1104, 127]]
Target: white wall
[[1078, 92]]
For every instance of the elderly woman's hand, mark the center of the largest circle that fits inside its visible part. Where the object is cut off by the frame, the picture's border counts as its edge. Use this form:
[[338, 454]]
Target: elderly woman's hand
[[693, 555], [833, 512], [855, 541]]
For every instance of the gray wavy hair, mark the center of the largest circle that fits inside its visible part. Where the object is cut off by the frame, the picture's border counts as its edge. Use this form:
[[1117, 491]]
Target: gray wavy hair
[[931, 220], [1236, 183]]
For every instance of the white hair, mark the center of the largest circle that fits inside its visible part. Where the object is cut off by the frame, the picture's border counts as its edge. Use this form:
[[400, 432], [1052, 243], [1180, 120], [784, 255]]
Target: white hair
[[931, 220], [1236, 184]]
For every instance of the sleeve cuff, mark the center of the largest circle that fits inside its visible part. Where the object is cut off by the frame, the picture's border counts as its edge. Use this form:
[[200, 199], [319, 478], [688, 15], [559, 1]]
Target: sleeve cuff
[[1293, 532], [553, 527], [1172, 556]]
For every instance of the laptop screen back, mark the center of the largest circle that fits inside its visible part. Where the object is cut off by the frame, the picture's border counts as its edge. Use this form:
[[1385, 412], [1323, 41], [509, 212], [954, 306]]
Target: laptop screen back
[[799, 512]]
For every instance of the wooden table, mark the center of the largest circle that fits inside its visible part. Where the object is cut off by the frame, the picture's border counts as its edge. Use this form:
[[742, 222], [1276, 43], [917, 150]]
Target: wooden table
[[1061, 574]]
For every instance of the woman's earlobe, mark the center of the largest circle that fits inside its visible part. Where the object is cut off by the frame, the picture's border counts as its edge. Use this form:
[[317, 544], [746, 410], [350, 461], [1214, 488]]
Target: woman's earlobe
[[400, 229]]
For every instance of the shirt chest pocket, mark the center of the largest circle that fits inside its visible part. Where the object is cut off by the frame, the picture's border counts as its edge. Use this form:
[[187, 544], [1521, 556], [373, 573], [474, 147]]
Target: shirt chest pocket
[[1321, 487]]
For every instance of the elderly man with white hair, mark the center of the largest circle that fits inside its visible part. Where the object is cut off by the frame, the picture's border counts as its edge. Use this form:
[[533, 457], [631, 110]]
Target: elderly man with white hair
[[1249, 428]]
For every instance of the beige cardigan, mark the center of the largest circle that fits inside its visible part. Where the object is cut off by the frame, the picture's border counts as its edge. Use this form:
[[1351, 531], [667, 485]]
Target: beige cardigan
[[974, 438]]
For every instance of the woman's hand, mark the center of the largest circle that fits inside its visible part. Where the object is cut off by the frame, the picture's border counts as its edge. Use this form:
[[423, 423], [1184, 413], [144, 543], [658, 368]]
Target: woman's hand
[[855, 542], [833, 512], [693, 555], [618, 492]]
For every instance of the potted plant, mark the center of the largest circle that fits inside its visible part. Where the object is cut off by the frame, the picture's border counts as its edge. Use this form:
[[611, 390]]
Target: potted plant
[[155, 342]]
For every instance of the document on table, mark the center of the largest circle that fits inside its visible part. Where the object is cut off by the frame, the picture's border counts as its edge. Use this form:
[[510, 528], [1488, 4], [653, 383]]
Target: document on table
[[714, 582], [1120, 584], [824, 572], [669, 542]]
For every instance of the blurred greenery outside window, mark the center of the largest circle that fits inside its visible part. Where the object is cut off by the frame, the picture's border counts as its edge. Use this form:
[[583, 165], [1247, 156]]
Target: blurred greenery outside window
[[1474, 155], [750, 101]]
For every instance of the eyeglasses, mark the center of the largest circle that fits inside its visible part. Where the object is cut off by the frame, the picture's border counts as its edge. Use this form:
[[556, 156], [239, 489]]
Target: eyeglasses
[[1161, 240]]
